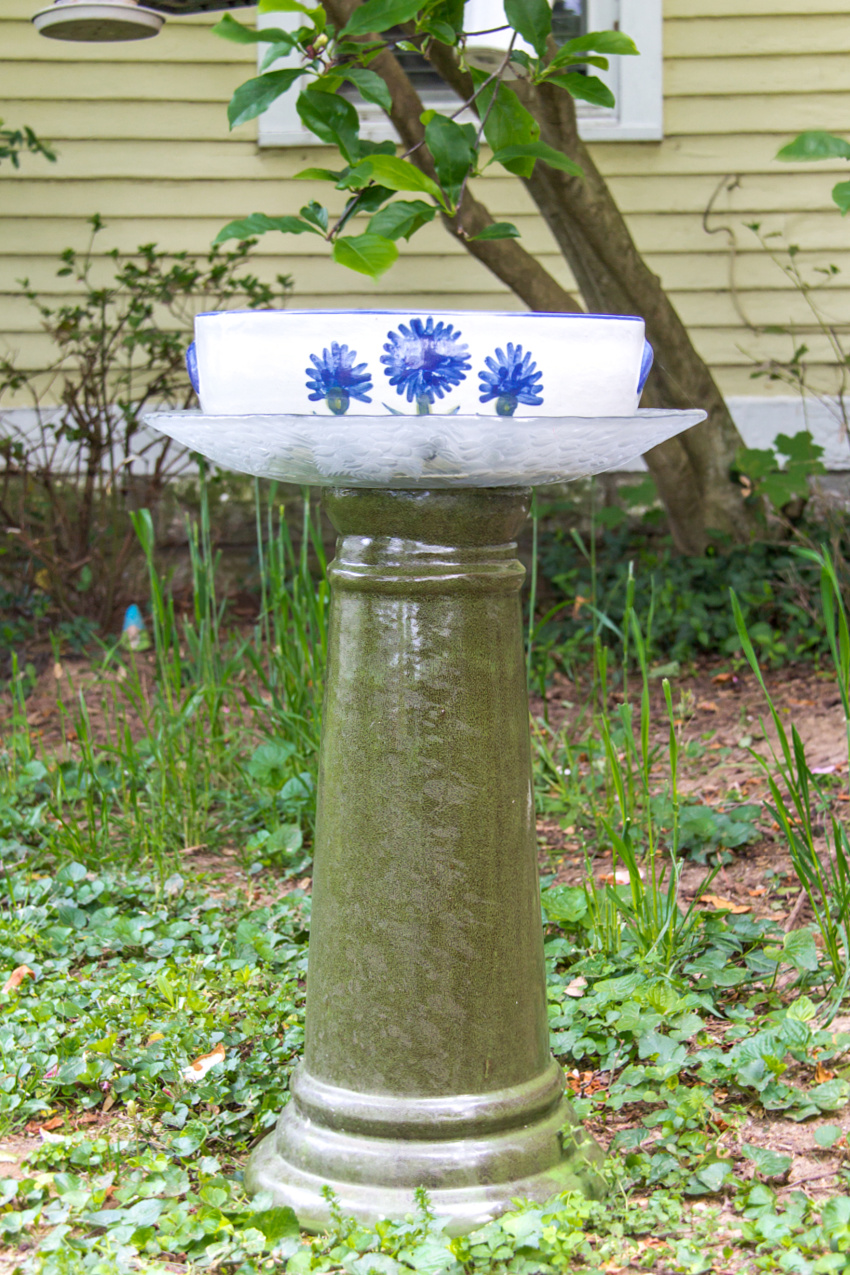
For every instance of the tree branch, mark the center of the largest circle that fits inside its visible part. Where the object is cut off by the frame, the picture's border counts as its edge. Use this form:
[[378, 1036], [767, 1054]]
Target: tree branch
[[505, 258]]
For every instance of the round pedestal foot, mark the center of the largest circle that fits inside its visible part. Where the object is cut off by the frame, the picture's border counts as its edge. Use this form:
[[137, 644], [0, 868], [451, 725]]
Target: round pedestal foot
[[470, 1178]]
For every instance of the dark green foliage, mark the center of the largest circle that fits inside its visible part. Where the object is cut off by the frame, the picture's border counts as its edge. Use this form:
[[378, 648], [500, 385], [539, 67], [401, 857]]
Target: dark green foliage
[[778, 592]]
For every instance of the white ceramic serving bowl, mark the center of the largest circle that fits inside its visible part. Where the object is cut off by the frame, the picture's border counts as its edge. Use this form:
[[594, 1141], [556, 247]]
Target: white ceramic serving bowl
[[375, 362]]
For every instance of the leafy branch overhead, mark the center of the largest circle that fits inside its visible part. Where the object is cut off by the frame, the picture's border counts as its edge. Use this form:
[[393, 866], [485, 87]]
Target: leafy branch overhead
[[324, 59]]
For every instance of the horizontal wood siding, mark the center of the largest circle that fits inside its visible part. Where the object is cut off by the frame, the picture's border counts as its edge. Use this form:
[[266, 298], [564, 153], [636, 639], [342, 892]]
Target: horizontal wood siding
[[142, 138]]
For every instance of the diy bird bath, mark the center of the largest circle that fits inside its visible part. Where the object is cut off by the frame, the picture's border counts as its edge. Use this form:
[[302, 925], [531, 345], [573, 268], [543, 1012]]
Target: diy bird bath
[[426, 1059]]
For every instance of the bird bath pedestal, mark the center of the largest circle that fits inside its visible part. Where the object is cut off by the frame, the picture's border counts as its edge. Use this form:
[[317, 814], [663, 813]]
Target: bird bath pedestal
[[426, 1060]]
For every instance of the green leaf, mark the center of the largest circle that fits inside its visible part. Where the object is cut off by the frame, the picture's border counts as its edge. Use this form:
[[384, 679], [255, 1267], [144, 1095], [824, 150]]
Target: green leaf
[[813, 145], [798, 447], [711, 1177], [827, 1134], [609, 43], [379, 15], [829, 1096], [768, 1163], [802, 1010], [229, 29], [333, 119], [538, 150], [318, 174], [276, 1224], [506, 121], [498, 230], [398, 174], [565, 904], [284, 6], [588, 88], [367, 254], [255, 96], [441, 31], [260, 224], [799, 948], [272, 53], [532, 19], [453, 155], [369, 85], [401, 219], [316, 214], [841, 197]]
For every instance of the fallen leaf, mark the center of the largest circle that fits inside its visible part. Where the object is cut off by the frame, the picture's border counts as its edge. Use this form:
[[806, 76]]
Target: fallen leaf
[[725, 905], [620, 877], [720, 678], [108, 1102], [17, 977], [576, 987], [707, 706], [821, 1074], [757, 892], [199, 1068], [47, 1136], [154, 1037], [55, 1122], [802, 703]]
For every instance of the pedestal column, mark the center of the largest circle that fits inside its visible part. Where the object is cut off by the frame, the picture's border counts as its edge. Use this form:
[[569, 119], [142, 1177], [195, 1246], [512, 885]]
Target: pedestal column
[[426, 1060]]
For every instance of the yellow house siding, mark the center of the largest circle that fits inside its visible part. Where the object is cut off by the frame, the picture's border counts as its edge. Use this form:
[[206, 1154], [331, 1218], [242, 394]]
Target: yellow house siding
[[142, 139]]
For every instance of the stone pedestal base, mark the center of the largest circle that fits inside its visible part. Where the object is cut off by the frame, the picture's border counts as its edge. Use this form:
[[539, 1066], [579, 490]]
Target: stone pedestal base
[[426, 1058]]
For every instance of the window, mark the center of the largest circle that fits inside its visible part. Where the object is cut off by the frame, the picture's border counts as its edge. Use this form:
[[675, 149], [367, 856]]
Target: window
[[635, 82]]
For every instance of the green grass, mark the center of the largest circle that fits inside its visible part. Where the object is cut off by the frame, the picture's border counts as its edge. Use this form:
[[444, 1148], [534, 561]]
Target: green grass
[[678, 1027]]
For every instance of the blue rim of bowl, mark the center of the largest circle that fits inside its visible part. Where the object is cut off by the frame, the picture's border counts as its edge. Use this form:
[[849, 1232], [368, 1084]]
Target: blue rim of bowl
[[455, 314]]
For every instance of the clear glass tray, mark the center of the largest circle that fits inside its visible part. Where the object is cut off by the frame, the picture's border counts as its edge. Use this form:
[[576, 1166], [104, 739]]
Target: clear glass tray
[[422, 451]]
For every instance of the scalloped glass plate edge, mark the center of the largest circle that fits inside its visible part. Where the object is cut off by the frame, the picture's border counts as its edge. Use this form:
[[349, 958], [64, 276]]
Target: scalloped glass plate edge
[[422, 451]]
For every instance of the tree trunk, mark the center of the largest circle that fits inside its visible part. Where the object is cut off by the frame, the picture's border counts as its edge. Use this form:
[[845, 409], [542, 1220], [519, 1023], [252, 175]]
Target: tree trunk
[[692, 471]]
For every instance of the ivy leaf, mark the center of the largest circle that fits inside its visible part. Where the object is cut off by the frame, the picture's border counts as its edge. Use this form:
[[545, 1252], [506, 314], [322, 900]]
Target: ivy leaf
[[402, 219], [368, 254], [532, 19], [829, 1096], [812, 145], [799, 948], [332, 119], [255, 96], [369, 85], [841, 197], [379, 15], [538, 150], [229, 29], [453, 154], [276, 1224], [827, 1134], [398, 174], [768, 1163], [259, 224], [498, 230], [588, 88]]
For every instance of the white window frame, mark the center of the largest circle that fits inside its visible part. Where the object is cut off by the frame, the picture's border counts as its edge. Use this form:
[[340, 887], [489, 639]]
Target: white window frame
[[636, 82]]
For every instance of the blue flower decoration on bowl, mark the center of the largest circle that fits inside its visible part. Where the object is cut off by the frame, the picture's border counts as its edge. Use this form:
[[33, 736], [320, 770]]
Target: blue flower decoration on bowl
[[512, 378], [337, 379], [424, 360]]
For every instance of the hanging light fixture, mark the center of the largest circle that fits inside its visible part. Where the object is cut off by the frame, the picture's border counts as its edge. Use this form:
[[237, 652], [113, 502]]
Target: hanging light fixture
[[99, 20]]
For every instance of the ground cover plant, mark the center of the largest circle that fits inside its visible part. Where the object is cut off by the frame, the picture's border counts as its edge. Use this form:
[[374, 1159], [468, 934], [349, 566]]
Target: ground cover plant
[[155, 832]]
